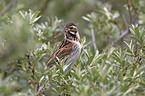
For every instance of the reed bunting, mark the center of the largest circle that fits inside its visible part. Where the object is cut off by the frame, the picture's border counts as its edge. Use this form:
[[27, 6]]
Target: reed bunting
[[70, 47]]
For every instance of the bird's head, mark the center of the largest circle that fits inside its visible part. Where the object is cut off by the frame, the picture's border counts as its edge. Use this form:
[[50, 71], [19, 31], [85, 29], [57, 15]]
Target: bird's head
[[71, 32]]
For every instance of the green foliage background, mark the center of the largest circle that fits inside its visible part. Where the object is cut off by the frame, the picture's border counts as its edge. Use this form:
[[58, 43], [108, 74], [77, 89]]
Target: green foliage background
[[112, 60]]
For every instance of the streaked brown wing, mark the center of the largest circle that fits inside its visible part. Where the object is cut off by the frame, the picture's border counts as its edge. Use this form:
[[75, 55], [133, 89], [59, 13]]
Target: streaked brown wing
[[63, 50]]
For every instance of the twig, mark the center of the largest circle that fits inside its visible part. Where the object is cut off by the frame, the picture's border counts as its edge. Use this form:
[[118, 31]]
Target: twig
[[37, 86], [113, 43], [5, 9], [93, 38], [126, 24], [141, 89], [119, 28], [44, 7], [135, 17], [121, 36], [125, 21], [129, 11]]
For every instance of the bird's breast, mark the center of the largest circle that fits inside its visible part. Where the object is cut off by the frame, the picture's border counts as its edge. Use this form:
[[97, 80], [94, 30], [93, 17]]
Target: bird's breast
[[76, 50]]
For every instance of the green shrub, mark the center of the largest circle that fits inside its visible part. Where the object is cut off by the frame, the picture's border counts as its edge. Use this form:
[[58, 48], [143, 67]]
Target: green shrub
[[110, 68]]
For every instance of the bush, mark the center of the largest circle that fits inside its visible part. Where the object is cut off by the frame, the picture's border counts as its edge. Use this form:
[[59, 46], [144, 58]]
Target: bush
[[110, 68]]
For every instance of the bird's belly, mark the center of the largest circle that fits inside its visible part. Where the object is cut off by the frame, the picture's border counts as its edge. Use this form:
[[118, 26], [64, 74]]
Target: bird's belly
[[76, 50]]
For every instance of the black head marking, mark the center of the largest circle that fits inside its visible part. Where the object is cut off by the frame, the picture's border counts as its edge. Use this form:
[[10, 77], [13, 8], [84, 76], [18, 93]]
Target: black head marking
[[70, 24], [71, 31]]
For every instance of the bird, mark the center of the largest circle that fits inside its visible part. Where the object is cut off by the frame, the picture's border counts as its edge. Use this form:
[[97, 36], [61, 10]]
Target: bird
[[69, 48]]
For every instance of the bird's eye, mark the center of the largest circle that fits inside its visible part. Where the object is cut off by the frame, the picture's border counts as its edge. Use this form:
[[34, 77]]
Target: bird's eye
[[71, 27]]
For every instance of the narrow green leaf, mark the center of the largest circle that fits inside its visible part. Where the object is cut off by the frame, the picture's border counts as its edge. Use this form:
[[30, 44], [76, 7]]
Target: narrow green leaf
[[97, 57], [33, 17], [134, 86], [75, 75], [59, 67]]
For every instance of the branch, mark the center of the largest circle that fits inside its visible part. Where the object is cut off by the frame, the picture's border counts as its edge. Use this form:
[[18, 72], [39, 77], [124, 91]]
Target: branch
[[44, 7], [5, 9], [113, 43], [93, 38], [135, 17], [129, 5], [126, 24], [121, 36], [125, 21]]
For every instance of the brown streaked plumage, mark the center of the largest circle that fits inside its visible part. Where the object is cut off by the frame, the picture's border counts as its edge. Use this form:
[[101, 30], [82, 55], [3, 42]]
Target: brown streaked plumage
[[70, 47]]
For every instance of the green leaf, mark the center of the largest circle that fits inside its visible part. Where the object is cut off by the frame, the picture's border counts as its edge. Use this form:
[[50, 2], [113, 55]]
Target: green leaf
[[110, 52], [134, 86], [97, 57], [85, 18], [132, 30], [90, 59], [75, 75], [33, 18], [60, 68]]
